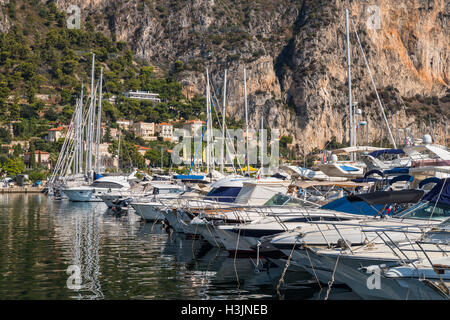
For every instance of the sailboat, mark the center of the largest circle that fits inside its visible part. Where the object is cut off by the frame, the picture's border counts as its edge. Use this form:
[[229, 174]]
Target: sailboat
[[353, 169], [85, 132]]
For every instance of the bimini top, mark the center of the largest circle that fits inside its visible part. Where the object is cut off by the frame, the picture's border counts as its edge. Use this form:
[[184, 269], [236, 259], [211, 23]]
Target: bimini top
[[188, 177], [353, 207], [440, 193], [226, 189], [356, 149], [399, 170], [388, 197], [378, 153]]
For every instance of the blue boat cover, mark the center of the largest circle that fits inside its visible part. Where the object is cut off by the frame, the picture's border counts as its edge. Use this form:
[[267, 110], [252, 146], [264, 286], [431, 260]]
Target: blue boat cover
[[223, 194], [378, 153], [388, 197], [428, 180], [397, 171], [403, 177], [371, 172], [360, 180], [347, 168], [97, 176], [188, 177], [354, 207], [440, 193]]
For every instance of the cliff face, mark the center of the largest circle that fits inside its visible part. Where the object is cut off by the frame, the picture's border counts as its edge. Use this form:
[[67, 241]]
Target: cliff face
[[4, 21], [295, 55]]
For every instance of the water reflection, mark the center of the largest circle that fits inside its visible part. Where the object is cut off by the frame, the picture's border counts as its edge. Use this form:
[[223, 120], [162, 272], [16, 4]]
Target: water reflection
[[121, 258]]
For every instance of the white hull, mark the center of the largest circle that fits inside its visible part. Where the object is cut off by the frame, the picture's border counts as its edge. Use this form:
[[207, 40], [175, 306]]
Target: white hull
[[84, 195], [336, 170], [149, 210]]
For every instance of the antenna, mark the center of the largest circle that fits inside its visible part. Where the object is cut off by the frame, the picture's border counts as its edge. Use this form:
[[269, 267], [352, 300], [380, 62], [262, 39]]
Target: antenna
[[223, 121], [349, 64], [246, 120]]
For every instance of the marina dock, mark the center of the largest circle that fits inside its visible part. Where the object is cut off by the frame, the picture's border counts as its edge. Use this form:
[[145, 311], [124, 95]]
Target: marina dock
[[26, 189]]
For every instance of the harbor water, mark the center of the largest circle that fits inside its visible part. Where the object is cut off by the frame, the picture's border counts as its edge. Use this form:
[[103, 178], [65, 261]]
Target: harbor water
[[66, 250]]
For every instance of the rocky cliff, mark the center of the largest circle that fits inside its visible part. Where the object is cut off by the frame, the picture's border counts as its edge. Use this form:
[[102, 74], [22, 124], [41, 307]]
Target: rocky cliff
[[295, 54]]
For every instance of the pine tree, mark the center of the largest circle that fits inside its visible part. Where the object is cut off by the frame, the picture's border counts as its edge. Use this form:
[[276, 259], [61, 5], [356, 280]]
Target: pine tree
[[32, 161]]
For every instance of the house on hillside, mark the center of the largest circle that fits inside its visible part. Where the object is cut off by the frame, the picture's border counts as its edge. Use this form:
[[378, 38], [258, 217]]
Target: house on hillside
[[166, 131], [125, 124], [55, 134], [194, 127], [41, 158], [145, 130], [142, 95], [141, 149], [112, 131]]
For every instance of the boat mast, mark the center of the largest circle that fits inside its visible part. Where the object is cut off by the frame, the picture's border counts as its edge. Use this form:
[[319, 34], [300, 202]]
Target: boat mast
[[118, 150], [90, 120], [208, 123], [350, 106], [75, 139], [92, 135], [246, 120], [375, 88], [261, 148], [223, 122], [99, 123], [81, 131]]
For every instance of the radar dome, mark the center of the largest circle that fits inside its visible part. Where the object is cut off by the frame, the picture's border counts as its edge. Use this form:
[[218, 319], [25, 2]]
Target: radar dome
[[427, 139]]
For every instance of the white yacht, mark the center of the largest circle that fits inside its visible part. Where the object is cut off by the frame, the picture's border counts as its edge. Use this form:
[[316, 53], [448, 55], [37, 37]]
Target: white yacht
[[89, 193], [360, 235], [254, 192], [344, 168], [149, 207], [410, 270]]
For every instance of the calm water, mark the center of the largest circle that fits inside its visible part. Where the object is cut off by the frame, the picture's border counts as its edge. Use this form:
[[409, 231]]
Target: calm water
[[123, 258]]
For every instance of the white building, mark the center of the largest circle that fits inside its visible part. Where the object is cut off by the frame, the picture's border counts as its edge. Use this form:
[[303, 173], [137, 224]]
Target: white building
[[194, 127], [124, 124], [166, 131], [142, 95], [145, 130], [112, 131], [55, 134]]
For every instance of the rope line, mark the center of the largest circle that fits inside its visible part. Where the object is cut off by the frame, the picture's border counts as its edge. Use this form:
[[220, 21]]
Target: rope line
[[330, 284]]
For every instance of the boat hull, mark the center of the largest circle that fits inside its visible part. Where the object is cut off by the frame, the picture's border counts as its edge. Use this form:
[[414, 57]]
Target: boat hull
[[83, 195], [148, 211]]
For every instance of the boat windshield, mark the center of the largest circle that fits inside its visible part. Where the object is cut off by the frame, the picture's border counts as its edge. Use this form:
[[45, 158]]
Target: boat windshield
[[283, 200], [445, 225], [176, 191], [166, 190], [427, 211], [106, 185], [277, 200]]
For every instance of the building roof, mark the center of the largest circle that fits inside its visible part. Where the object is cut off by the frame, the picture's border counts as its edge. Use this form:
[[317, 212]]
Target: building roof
[[142, 147], [164, 124], [56, 129], [37, 152], [140, 122], [195, 121]]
